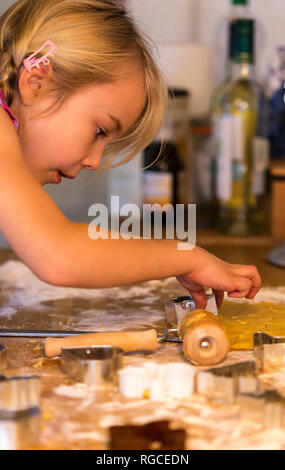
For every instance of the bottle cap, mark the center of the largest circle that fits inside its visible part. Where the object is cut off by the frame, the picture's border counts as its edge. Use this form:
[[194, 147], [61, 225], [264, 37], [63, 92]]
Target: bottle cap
[[178, 93], [239, 2], [243, 40]]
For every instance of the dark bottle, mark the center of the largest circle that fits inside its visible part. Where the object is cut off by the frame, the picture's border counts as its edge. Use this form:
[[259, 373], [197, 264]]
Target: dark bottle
[[166, 158], [161, 179]]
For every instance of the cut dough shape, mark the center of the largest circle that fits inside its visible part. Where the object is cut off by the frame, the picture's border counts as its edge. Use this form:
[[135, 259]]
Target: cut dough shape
[[242, 319]]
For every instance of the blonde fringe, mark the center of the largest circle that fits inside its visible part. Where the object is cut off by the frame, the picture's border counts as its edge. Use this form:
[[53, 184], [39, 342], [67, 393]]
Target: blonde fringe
[[96, 40]]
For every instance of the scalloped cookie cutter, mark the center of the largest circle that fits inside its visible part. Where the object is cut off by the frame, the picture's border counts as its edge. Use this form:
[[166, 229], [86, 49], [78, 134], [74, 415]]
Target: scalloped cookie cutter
[[225, 383], [269, 351]]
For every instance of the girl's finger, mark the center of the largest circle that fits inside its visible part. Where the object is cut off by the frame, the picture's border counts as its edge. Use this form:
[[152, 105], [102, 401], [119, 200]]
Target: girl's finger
[[242, 286], [252, 293], [219, 294], [199, 297], [235, 295], [251, 273]]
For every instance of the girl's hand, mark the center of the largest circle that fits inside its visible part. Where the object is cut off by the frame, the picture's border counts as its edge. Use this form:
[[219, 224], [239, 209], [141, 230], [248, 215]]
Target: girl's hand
[[236, 279]]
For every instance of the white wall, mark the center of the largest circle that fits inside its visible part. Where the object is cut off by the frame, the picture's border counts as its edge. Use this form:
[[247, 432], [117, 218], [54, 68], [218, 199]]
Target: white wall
[[170, 20], [167, 20], [4, 4]]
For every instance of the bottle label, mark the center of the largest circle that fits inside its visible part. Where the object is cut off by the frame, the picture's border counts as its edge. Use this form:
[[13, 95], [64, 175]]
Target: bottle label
[[223, 130], [234, 133], [238, 136]]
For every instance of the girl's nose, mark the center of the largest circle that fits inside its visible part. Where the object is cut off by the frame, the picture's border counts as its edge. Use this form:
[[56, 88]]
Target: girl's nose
[[93, 159]]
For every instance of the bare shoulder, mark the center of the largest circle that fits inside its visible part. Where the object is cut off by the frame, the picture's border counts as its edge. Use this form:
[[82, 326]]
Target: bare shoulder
[[5, 119]]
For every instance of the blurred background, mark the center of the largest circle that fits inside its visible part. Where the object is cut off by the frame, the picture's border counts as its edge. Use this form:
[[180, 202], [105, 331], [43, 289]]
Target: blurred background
[[192, 43]]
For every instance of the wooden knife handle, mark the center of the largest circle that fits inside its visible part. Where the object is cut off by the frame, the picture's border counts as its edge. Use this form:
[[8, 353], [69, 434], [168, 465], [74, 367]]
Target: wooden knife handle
[[127, 340]]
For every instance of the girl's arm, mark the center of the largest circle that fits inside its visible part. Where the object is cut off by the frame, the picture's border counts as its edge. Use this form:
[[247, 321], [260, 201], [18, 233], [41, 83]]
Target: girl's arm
[[61, 253], [107, 263]]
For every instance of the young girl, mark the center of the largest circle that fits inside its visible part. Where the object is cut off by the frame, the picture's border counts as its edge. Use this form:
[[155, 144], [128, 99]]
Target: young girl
[[78, 83]]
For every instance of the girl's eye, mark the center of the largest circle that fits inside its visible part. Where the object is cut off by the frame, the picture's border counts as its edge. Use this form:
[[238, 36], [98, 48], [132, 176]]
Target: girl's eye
[[100, 132]]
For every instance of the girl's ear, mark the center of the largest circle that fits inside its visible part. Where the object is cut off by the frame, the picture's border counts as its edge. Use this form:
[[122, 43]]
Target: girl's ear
[[32, 84]]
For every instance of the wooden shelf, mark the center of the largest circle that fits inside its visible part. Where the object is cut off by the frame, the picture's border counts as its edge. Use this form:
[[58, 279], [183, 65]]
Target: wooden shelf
[[208, 237]]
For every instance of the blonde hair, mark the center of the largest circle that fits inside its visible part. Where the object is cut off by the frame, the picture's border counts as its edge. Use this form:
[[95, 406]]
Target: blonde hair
[[97, 40]]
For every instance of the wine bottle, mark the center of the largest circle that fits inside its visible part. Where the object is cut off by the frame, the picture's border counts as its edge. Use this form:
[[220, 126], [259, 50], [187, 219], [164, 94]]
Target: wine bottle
[[239, 10], [242, 148]]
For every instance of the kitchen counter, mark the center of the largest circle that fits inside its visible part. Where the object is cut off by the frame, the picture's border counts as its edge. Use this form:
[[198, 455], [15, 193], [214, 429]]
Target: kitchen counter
[[75, 416]]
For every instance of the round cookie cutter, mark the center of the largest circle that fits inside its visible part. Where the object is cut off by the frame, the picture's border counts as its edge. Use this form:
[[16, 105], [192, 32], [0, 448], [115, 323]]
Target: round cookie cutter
[[96, 365]]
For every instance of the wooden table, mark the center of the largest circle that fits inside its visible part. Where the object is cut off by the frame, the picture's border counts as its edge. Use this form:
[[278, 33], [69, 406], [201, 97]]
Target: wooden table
[[71, 414]]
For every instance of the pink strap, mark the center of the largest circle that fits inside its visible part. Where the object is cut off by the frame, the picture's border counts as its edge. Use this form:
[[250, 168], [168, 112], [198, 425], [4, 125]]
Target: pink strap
[[6, 107]]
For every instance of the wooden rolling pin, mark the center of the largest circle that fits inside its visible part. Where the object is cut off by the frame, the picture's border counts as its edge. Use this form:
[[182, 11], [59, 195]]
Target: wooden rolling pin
[[127, 340], [205, 341]]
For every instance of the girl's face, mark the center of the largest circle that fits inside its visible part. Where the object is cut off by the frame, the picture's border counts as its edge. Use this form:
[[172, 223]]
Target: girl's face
[[73, 138]]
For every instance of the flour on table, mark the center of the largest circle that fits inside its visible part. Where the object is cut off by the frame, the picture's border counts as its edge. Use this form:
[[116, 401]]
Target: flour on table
[[21, 288], [17, 276], [8, 311]]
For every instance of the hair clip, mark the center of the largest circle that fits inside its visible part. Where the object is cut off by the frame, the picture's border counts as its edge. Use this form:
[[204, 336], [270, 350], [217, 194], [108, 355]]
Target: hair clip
[[31, 61]]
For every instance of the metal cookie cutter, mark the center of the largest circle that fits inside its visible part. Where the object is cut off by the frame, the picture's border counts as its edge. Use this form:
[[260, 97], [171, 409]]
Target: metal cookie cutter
[[227, 382], [176, 309], [96, 365], [19, 411], [269, 351]]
